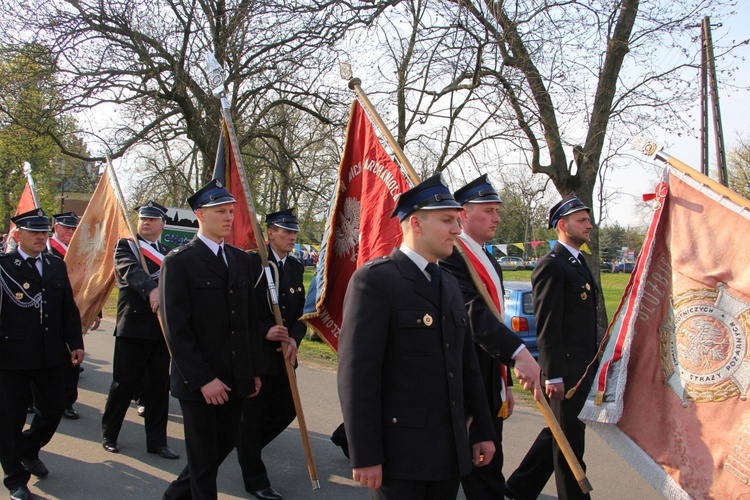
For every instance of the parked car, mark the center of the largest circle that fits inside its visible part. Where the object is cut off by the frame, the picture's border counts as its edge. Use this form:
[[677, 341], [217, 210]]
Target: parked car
[[519, 313], [606, 266], [530, 265], [511, 263], [623, 267]]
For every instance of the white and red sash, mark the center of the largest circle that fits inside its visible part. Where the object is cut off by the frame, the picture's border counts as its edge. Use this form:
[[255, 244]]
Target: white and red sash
[[58, 245], [480, 261], [149, 252]]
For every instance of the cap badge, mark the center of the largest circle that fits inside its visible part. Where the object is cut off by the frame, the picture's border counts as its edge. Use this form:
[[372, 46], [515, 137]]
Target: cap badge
[[218, 184], [40, 213]]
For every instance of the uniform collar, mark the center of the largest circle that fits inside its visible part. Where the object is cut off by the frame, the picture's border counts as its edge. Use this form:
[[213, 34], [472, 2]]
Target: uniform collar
[[211, 244]]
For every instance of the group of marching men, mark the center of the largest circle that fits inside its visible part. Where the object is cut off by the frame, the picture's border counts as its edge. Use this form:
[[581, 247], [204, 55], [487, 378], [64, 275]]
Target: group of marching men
[[420, 351]]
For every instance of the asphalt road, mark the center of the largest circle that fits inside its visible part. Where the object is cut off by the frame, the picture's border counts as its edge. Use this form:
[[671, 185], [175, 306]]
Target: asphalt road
[[81, 469]]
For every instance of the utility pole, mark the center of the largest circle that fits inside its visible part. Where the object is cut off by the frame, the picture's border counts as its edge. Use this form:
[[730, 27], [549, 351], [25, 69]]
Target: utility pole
[[709, 84]]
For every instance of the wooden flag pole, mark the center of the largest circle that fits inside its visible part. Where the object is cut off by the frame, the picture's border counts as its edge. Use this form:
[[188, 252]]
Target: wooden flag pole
[[217, 81], [549, 417], [124, 212]]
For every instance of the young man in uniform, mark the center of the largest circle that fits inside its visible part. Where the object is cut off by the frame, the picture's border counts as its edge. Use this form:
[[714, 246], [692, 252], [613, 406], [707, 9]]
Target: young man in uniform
[[408, 375], [210, 319], [565, 295], [62, 232], [497, 345], [40, 331], [266, 416]]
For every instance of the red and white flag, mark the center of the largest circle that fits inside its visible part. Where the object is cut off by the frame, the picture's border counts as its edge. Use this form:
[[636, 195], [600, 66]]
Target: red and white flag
[[225, 169], [91, 253], [359, 224], [670, 394]]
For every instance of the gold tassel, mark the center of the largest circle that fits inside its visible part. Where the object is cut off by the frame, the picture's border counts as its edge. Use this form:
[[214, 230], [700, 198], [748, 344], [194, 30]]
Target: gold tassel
[[599, 399], [503, 413], [570, 393]]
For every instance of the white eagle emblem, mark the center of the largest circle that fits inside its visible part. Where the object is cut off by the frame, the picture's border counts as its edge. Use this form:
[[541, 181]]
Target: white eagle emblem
[[346, 234], [91, 244]]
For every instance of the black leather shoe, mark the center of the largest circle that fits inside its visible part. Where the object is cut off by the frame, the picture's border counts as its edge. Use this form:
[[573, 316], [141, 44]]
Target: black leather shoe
[[35, 466], [20, 493], [164, 452], [71, 414], [110, 446], [267, 494]]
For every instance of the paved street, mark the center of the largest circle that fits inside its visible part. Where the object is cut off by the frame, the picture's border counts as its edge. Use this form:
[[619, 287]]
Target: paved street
[[81, 469]]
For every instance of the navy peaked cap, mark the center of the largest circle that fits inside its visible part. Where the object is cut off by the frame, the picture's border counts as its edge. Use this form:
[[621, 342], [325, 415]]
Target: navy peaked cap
[[477, 191], [568, 205], [212, 194], [33, 220], [285, 219], [431, 194]]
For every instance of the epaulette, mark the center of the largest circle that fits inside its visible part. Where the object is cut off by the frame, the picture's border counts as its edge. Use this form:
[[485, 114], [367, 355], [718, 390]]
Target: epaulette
[[378, 260], [50, 254], [294, 259], [552, 255]]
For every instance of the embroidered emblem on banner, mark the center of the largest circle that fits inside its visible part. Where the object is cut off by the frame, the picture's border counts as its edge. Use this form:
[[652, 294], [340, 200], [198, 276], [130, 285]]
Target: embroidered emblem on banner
[[704, 347], [347, 230]]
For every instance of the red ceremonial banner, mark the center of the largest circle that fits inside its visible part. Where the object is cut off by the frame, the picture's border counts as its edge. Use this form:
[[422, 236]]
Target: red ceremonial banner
[[225, 169], [91, 253], [359, 227], [670, 394]]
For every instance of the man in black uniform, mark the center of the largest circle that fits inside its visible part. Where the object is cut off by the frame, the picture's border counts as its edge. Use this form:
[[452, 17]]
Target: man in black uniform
[[140, 350], [62, 232], [40, 331], [408, 374], [266, 416], [497, 345], [210, 321], [565, 295]]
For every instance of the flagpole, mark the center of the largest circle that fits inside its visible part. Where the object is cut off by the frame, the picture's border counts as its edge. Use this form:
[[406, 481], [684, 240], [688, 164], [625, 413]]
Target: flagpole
[[30, 180], [123, 211], [549, 417], [216, 78]]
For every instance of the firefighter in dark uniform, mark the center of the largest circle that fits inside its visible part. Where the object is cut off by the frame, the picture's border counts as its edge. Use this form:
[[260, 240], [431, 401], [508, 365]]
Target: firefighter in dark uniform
[[40, 331], [141, 352], [62, 232], [408, 374], [210, 321], [266, 416], [565, 295], [497, 345]]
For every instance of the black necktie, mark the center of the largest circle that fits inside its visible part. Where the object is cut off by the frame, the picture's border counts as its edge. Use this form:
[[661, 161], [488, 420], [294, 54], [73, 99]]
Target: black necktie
[[32, 263], [585, 266], [434, 272], [280, 267], [220, 255]]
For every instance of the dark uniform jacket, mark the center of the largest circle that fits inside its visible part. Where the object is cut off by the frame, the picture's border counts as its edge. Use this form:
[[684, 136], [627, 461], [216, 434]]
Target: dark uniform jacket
[[31, 337], [495, 342], [291, 294], [210, 320], [408, 374], [135, 319], [565, 297]]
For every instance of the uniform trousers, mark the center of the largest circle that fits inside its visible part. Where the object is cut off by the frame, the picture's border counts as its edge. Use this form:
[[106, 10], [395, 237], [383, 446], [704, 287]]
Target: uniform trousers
[[263, 418], [488, 481], [134, 359], [71, 374], [210, 435], [46, 384], [398, 489], [545, 456]]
